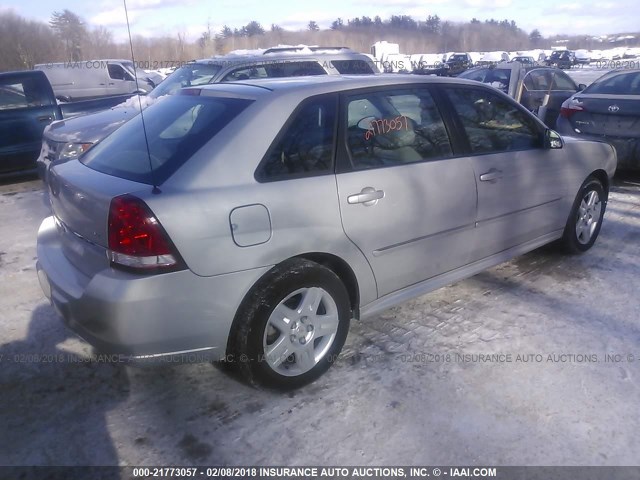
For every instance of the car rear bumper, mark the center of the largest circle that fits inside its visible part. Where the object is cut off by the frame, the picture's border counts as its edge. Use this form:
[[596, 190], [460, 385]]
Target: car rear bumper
[[141, 316]]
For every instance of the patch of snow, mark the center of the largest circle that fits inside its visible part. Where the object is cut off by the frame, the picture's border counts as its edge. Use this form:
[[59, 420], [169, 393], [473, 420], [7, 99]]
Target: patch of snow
[[138, 101]]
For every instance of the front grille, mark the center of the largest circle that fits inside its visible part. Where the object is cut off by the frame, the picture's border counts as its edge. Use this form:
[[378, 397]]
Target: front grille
[[53, 149]]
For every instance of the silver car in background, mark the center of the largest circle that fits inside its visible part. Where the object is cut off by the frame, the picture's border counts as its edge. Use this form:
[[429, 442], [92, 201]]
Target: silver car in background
[[69, 139], [265, 215]]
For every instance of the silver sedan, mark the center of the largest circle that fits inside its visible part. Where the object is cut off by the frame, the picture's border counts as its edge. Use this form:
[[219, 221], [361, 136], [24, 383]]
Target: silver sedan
[[254, 221]]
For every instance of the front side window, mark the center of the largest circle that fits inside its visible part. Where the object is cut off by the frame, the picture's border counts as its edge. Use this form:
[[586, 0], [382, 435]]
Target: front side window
[[561, 81], [116, 72], [496, 77], [26, 93], [394, 127], [492, 123], [306, 145], [537, 80], [245, 73]]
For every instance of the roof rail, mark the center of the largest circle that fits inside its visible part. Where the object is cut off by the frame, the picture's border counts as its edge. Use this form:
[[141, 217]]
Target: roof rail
[[298, 48]]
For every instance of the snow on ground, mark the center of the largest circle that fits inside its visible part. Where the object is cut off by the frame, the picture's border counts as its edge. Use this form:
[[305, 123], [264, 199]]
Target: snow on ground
[[411, 386], [586, 74]]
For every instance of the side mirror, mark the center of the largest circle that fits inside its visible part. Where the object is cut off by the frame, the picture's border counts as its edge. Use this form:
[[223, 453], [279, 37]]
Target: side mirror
[[581, 86], [552, 140]]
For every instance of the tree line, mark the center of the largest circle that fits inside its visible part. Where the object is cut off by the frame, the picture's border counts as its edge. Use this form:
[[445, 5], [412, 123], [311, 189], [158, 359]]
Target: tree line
[[67, 37]]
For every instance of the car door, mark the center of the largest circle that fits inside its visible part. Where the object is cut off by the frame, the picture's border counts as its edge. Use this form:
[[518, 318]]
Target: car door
[[520, 183], [538, 84], [406, 200], [120, 81], [25, 109]]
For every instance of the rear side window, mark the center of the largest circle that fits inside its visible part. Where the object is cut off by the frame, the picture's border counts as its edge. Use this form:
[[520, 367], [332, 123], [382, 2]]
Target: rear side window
[[352, 67], [25, 93], [276, 69], [176, 128], [492, 123], [394, 127], [617, 84], [306, 145]]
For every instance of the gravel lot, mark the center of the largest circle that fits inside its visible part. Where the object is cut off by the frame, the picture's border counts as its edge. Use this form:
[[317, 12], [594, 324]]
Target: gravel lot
[[412, 386]]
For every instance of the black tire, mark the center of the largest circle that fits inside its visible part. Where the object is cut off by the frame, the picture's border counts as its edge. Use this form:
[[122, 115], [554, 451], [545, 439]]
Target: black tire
[[252, 330], [590, 219]]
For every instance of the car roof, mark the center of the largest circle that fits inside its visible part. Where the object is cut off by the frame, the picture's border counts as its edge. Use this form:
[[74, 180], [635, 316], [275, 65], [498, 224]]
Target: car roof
[[317, 85], [283, 53]]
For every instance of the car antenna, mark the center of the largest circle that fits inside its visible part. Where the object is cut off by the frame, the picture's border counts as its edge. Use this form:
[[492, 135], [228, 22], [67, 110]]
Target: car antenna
[[155, 189]]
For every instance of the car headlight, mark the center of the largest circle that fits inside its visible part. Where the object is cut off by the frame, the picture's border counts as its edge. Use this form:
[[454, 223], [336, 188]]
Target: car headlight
[[73, 150]]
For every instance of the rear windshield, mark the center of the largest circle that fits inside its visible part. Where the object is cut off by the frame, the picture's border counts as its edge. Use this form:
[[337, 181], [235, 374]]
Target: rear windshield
[[617, 84], [192, 74], [176, 128]]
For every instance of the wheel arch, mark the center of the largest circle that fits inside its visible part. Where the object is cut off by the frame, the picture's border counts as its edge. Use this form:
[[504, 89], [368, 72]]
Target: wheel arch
[[603, 178], [334, 263], [344, 272]]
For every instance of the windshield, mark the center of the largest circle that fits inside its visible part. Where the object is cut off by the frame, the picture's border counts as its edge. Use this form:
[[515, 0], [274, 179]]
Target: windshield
[[186, 76], [176, 128]]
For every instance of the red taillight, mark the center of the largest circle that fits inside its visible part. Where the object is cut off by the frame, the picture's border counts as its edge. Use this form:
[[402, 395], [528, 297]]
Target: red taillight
[[571, 106], [136, 238]]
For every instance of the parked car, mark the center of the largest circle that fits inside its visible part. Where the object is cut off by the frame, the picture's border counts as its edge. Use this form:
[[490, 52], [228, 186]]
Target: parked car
[[492, 58], [562, 59], [246, 229], [27, 106], [540, 89], [458, 63], [583, 57], [524, 60], [88, 79], [66, 140], [608, 110]]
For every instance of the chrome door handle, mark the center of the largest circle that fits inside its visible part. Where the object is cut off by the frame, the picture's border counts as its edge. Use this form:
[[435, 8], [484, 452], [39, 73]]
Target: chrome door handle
[[491, 176], [368, 196]]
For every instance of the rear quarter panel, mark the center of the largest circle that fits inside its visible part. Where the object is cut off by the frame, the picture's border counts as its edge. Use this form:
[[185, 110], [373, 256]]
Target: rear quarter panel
[[304, 213]]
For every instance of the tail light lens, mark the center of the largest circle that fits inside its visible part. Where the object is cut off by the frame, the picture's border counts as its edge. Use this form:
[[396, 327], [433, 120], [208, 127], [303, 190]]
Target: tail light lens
[[571, 106], [137, 240]]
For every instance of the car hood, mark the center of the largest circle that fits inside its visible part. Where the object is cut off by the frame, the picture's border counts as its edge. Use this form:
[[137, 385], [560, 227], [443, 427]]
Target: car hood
[[90, 128]]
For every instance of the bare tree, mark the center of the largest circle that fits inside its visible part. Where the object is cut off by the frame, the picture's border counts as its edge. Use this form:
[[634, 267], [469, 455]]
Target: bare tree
[[71, 30]]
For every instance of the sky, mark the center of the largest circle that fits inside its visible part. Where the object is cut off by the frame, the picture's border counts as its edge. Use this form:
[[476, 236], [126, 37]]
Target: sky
[[158, 17]]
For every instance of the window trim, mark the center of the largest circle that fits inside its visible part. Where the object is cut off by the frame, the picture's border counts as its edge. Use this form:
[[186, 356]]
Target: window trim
[[344, 163], [46, 94], [259, 174], [464, 138]]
